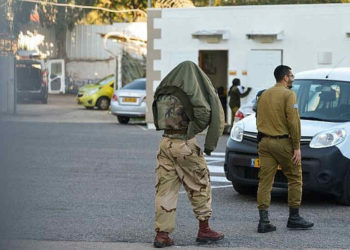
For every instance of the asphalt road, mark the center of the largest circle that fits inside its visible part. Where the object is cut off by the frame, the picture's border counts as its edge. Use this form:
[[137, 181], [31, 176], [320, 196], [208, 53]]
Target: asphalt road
[[84, 177]]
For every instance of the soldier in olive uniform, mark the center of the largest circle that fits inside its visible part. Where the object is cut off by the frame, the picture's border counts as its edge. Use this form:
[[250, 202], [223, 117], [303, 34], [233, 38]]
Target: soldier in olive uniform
[[185, 103], [278, 124]]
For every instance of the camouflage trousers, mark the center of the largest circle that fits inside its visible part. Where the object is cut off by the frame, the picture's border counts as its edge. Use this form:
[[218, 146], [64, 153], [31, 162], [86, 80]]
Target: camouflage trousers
[[180, 162]]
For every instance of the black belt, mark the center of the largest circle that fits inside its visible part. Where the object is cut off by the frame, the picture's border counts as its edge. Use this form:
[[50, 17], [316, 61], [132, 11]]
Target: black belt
[[175, 131], [274, 136]]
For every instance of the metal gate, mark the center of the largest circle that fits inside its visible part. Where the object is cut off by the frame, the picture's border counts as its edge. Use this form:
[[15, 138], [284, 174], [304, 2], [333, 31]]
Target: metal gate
[[7, 76]]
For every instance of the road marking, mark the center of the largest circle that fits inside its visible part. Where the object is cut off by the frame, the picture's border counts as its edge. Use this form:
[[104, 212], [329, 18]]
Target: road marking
[[208, 158], [142, 127], [217, 154], [215, 164], [225, 186], [221, 179], [216, 169], [212, 187]]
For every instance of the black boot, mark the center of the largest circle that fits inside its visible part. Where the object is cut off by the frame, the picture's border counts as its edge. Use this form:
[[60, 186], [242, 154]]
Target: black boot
[[296, 221], [264, 224]]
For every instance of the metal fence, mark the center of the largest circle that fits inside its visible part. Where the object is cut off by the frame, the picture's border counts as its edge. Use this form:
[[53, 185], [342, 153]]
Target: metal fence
[[7, 76]]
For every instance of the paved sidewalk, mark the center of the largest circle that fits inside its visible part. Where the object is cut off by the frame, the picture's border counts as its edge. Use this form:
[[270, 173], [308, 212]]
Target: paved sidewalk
[[60, 109], [76, 245]]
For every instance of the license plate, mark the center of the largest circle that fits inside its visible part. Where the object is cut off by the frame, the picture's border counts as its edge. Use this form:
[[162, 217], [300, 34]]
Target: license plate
[[129, 99], [255, 163]]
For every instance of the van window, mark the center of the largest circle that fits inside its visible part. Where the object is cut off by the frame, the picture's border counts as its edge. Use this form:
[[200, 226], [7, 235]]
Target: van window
[[323, 100], [28, 75]]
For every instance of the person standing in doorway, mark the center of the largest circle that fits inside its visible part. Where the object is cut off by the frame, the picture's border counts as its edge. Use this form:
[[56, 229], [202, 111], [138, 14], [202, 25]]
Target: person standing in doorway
[[185, 103], [236, 92], [278, 126]]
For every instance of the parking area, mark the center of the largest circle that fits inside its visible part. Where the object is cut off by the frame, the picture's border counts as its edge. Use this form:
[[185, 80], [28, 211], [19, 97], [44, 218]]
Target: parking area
[[69, 174], [62, 109]]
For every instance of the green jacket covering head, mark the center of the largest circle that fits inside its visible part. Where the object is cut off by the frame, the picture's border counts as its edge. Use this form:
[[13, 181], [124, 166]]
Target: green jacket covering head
[[201, 103]]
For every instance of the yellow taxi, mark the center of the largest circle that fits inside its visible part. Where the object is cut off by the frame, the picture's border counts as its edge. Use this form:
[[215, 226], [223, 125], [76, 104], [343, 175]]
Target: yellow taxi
[[97, 95]]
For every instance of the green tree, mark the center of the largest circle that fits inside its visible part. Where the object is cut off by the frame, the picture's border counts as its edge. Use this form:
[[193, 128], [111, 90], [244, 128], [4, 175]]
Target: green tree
[[104, 17], [59, 18], [3, 20]]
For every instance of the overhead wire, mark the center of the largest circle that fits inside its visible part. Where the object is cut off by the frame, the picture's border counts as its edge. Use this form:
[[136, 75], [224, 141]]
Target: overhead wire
[[85, 7]]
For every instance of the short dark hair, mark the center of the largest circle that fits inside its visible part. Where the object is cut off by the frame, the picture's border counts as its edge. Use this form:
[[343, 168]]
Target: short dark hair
[[236, 82], [281, 71]]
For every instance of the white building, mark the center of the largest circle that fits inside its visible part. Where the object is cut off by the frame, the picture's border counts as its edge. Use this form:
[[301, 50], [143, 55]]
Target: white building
[[247, 42]]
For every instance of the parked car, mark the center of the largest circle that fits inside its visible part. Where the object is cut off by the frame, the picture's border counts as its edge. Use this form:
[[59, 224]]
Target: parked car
[[130, 101], [324, 107], [97, 95], [31, 78], [245, 110]]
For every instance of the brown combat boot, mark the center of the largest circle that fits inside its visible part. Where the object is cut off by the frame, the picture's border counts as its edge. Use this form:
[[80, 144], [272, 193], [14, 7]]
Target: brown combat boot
[[205, 234], [162, 239]]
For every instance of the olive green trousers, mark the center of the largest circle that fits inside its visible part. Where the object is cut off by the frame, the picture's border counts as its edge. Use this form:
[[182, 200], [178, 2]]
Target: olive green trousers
[[180, 162], [275, 152]]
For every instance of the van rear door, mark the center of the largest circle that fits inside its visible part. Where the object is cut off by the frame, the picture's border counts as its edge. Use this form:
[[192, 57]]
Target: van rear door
[[28, 75]]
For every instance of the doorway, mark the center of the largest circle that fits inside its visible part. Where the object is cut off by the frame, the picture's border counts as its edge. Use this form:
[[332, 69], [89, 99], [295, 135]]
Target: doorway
[[215, 64], [261, 64]]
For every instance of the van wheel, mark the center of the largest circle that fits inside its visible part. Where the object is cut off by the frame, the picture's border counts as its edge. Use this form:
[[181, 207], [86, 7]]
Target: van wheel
[[345, 197], [123, 119], [244, 189], [103, 103]]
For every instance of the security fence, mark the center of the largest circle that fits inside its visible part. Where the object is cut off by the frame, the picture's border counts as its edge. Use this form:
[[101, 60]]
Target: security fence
[[7, 75]]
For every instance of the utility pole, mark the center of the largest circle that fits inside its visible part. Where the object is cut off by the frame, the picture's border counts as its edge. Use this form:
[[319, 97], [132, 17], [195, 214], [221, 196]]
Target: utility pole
[[149, 4], [210, 2]]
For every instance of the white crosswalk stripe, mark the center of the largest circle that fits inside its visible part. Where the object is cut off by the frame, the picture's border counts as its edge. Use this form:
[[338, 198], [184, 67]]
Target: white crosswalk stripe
[[215, 164], [216, 169]]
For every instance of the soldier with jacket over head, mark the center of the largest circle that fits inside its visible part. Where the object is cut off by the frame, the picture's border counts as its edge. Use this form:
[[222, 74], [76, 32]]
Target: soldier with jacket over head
[[185, 103]]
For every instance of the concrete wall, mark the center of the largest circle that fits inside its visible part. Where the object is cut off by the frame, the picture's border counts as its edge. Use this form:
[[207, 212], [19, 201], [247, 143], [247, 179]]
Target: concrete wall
[[309, 36], [153, 55], [88, 61], [85, 41], [85, 72]]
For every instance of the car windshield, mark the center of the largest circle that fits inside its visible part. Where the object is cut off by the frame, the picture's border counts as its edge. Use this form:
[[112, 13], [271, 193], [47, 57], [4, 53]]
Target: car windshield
[[137, 84], [105, 80], [323, 100]]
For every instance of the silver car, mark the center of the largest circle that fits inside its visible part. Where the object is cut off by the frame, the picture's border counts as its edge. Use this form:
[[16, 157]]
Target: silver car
[[130, 101]]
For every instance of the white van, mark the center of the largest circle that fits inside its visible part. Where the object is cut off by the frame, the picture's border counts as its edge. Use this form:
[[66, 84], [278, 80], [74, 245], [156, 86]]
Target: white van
[[324, 108]]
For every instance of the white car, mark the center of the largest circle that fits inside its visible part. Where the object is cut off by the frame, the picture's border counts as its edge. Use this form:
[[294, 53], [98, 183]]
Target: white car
[[324, 107], [245, 110], [130, 101]]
